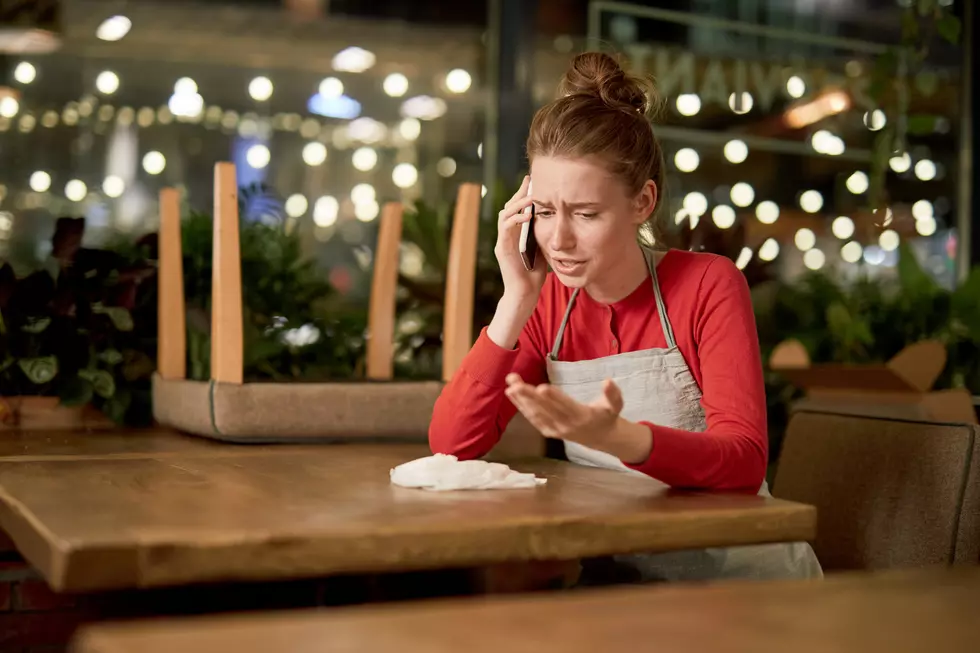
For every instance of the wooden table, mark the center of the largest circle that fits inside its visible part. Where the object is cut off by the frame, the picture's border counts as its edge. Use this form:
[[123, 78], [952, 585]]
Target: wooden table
[[186, 512], [911, 612]]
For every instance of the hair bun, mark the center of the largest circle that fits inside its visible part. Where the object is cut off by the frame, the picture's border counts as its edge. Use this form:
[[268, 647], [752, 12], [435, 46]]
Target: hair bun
[[599, 75]]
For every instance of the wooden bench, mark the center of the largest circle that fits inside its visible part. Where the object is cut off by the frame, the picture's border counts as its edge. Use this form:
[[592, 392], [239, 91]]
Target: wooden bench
[[894, 613]]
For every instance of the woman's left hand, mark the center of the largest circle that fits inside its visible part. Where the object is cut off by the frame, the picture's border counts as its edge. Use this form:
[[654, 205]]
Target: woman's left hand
[[556, 415], [596, 425]]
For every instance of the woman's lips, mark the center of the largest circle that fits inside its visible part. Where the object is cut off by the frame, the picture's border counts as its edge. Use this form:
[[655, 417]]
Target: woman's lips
[[567, 265]]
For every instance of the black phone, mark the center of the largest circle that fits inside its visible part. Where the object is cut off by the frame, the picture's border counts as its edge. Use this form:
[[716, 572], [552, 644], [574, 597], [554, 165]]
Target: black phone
[[528, 246]]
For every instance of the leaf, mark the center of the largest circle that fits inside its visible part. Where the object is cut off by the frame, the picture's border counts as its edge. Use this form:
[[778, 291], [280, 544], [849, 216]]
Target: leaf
[[915, 281], [39, 370], [36, 324], [925, 7], [102, 382], [949, 27], [921, 125], [121, 318], [76, 392], [111, 357], [116, 407]]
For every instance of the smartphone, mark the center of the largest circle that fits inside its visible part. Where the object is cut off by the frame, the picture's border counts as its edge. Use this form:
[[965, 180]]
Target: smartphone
[[528, 246]]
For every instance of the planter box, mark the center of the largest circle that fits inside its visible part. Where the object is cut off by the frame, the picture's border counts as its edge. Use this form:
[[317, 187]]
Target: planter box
[[46, 413]]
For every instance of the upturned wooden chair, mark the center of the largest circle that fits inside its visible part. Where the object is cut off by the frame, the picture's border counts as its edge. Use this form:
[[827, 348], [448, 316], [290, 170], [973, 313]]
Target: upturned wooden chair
[[227, 408]]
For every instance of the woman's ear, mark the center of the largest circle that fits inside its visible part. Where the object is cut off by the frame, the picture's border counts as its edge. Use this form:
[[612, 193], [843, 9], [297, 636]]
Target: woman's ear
[[646, 201]]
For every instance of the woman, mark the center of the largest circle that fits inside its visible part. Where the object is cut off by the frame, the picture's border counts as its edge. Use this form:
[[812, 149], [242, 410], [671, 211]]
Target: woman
[[638, 360]]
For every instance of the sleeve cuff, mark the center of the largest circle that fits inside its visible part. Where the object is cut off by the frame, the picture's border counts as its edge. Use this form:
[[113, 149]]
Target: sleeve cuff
[[657, 454], [489, 363]]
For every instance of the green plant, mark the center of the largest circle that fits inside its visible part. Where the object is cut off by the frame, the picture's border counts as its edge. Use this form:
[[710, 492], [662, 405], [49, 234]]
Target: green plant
[[896, 75], [425, 234], [295, 327], [869, 321], [79, 330]]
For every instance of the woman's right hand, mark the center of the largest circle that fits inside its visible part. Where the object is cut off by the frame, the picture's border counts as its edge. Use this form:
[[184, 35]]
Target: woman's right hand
[[521, 287]]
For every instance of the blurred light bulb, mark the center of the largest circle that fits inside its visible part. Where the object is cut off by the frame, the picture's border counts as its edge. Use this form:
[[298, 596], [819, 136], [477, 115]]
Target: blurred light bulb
[[395, 85], [296, 205], [723, 216], [888, 240], [154, 162], [736, 151], [364, 158], [811, 201], [900, 163], [795, 87], [446, 167], [76, 190], [458, 81], [842, 227], [925, 170], [805, 239], [331, 87], [851, 252], [25, 73], [767, 212], [695, 203], [404, 175], [744, 257], [686, 159], [362, 193], [857, 183], [314, 153], [922, 209], [40, 181], [742, 194], [814, 259], [926, 227], [325, 211], [107, 82], [113, 186], [258, 156], [366, 211], [113, 29], [769, 250], [260, 89], [688, 104]]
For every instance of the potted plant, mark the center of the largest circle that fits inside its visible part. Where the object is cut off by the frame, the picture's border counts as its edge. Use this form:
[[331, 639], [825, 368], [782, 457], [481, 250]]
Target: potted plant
[[73, 354]]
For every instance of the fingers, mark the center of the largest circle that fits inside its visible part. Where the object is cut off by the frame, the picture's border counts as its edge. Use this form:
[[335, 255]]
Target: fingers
[[514, 212], [612, 397], [518, 203], [547, 408], [526, 399]]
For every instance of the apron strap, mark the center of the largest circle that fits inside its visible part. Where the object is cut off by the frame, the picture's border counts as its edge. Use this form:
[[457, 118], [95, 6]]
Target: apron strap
[[561, 327], [651, 260]]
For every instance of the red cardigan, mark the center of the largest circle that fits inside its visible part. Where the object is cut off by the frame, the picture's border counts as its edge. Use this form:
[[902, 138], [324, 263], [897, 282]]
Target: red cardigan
[[710, 309]]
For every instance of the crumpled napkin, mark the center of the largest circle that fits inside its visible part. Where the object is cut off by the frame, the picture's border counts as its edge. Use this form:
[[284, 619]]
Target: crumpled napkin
[[443, 472]]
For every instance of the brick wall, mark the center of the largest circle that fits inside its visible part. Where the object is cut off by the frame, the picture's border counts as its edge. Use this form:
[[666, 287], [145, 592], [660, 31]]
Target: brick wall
[[33, 619]]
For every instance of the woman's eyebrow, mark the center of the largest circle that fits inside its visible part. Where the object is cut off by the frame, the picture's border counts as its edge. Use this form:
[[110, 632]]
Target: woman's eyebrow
[[571, 205]]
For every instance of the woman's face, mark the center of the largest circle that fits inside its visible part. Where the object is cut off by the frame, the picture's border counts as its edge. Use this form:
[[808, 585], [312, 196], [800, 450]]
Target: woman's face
[[585, 218]]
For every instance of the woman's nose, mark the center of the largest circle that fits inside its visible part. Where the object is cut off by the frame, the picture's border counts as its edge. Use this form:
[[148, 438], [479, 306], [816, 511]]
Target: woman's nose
[[562, 234]]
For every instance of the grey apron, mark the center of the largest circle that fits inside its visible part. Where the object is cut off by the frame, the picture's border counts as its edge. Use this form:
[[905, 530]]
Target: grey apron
[[658, 387]]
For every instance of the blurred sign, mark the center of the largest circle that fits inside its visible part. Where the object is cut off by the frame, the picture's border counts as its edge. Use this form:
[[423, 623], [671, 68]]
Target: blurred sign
[[30, 26], [714, 80]]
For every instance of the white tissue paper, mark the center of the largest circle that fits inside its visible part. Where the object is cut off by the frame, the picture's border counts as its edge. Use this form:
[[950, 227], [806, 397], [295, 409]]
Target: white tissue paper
[[442, 472]]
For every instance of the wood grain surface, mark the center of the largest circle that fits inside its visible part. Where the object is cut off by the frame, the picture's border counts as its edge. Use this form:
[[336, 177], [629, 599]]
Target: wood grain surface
[[247, 513], [909, 612]]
